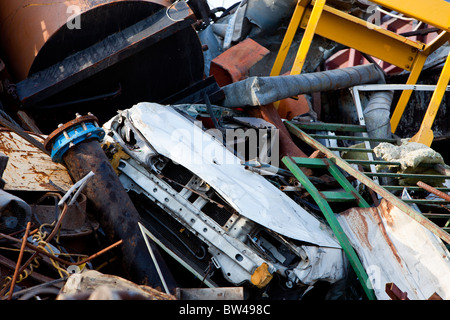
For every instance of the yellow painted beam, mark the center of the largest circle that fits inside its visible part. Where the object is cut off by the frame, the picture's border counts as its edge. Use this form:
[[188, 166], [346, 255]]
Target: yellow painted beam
[[366, 37], [310, 29], [373, 40], [406, 94], [433, 12], [436, 43], [425, 134], [289, 37], [429, 48], [354, 33]]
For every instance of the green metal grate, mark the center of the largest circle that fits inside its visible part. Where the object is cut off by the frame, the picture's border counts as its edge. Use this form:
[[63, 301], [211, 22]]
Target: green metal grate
[[346, 130]]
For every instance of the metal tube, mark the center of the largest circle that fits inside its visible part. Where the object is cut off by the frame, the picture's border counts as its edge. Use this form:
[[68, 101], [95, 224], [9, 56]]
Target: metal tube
[[19, 260], [377, 116], [115, 211], [258, 91], [432, 190]]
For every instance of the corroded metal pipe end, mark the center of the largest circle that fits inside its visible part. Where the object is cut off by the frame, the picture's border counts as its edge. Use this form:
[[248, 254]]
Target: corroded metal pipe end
[[107, 198], [71, 133]]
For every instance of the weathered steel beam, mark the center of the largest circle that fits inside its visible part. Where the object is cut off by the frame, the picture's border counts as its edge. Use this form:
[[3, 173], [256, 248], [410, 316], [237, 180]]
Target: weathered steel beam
[[37, 34]]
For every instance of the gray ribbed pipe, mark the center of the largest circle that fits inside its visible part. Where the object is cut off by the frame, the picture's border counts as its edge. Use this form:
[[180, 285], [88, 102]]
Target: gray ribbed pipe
[[377, 115], [257, 91]]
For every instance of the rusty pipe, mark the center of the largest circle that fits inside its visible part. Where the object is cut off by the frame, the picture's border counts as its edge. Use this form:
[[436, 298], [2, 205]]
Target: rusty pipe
[[19, 260], [113, 207], [258, 91], [76, 144], [434, 191], [35, 34], [39, 250]]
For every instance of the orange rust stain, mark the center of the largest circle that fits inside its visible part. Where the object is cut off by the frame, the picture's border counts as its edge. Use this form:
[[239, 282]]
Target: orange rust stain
[[384, 210], [359, 225]]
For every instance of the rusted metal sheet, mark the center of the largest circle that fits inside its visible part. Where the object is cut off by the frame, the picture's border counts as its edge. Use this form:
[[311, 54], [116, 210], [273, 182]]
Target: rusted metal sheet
[[289, 108], [30, 169], [30, 29], [394, 248], [234, 64]]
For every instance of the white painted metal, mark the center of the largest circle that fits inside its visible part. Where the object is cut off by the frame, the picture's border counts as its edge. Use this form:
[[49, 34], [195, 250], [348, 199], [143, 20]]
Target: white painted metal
[[161, 130], [177, 138], [394, 248]]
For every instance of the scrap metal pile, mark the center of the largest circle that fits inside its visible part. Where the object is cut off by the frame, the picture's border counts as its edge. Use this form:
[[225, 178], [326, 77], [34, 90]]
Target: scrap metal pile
[[270, 150]]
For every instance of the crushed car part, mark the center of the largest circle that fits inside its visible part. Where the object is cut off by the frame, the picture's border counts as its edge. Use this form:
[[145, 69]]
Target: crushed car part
[[251, 229]]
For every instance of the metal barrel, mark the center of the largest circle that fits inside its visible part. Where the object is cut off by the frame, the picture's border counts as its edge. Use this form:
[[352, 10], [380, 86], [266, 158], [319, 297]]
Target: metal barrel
[[37, 34], [377, 115]]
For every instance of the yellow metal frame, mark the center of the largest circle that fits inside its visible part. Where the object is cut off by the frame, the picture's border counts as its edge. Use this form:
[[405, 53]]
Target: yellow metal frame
[[318, 18]]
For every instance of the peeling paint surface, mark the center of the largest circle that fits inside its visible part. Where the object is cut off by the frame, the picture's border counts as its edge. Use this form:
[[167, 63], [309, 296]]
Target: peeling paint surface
[[30, 169], [394, 248]]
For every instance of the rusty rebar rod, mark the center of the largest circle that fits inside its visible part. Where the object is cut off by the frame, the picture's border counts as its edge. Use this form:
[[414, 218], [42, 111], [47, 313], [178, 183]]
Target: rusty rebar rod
[[19, 260], [434, 191], [36, 253], [68, 263]]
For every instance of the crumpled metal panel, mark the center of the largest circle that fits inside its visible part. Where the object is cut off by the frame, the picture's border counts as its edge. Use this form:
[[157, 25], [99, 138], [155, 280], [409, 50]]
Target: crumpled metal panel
[[394, 248], [179, 139], [163, 131]]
